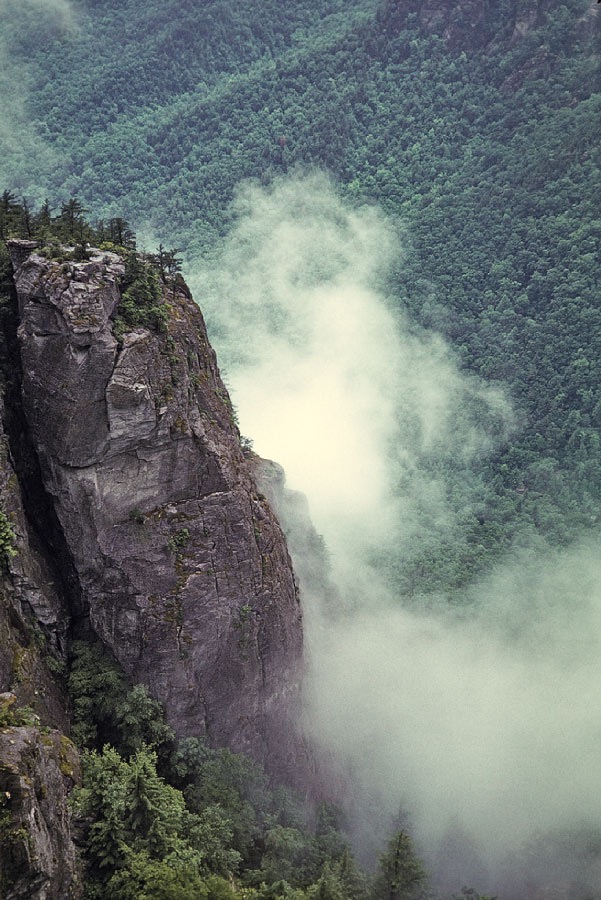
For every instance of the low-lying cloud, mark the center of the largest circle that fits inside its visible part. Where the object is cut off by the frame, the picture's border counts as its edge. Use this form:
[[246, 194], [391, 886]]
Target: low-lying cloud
[[61, 10], [359, 407], [26, 156], [485, 723], [480, 722]]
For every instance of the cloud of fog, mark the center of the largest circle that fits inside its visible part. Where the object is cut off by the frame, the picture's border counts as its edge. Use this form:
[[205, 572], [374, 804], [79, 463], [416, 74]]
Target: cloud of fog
[[360, 408], [481, 723], [25, 155], [489, 720], [61, 10]]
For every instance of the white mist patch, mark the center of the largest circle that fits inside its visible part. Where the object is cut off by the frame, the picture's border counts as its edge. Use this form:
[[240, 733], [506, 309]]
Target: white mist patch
[[25, 155], [482, 724], [487, 726], [58, 9], [326, 379], [328, 388]]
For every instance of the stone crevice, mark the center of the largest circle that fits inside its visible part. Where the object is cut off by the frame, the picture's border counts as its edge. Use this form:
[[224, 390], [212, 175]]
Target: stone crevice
[[41, 519]]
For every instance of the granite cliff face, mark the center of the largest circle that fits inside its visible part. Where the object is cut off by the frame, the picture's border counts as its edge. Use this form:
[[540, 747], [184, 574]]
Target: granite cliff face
[[173, 557], [38, 767], [37, 771]]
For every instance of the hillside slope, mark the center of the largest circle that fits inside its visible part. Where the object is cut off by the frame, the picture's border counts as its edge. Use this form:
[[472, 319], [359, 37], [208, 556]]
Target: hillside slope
[[475, 127]]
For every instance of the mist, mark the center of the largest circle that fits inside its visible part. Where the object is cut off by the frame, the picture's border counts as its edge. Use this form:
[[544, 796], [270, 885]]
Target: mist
[[361, 408], [479, 723], [27, 157]]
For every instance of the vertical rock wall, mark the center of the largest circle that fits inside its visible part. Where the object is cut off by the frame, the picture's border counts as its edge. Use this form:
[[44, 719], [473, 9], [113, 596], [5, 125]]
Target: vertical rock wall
[[37, 856], [182, 567]]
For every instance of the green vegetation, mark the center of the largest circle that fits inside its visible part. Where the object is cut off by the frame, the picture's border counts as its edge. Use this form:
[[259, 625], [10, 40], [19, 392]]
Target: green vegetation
[[56, 233], [484, 148], [12, 715], [486, 151], [178, 540], [66, 238], [401, 876], [7, 538], [142, 302], [105, 711], [170, 819]]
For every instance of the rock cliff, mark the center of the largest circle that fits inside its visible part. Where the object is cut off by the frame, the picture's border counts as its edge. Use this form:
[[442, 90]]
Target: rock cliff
[[466, 25], [37, 771], [168, 551]]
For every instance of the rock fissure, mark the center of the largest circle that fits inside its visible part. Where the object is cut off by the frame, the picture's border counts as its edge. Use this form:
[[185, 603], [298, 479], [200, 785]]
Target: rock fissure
[[42, 524]]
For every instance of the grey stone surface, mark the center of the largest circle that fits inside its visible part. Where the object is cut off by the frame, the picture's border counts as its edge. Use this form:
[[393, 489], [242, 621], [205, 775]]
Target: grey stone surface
[[181, 563], [34, 613], [37, 856]]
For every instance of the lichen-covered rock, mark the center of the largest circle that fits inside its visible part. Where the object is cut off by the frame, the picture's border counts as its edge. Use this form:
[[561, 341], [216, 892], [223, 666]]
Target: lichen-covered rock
[[182, 567], [37, 856]]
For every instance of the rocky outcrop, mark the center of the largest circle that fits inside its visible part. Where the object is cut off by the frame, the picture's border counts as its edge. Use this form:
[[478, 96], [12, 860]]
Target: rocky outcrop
[[307, 546], [467, 25], [37, 859], [34, 617], [527, 16], [181, 566]]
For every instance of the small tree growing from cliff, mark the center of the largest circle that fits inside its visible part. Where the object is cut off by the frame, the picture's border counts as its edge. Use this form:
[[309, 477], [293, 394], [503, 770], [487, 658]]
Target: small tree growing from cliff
[[7, 539], [120, 232], [141, 298], [167, 262], [104, 709]]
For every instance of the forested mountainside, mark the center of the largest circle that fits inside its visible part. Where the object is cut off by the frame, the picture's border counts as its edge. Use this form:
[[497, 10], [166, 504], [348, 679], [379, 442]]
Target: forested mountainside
[[476, 128]]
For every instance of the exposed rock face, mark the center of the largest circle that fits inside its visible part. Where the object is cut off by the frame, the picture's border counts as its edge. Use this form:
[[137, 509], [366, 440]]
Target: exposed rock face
[[306, 545], [33, 615], [37, 859], [463, 25], [469, 24], [181, 565], [527, 16]]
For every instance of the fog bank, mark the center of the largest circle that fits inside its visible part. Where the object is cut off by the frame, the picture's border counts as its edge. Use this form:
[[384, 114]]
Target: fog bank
[[361, 408], [480, 723], [26, 155]]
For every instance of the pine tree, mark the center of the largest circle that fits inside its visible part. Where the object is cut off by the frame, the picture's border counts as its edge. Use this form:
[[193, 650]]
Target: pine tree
[[402, 874]]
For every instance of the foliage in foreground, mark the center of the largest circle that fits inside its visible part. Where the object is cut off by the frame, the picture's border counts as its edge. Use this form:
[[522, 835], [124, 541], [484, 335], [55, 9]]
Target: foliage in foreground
[[168, 820]]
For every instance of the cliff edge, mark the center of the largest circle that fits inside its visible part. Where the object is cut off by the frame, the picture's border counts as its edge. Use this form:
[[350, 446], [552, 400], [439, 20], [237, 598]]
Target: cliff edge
[[175, 559]]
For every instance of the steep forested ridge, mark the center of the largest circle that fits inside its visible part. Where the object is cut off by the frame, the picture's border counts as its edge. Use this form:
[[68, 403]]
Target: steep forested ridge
[[476, 126]]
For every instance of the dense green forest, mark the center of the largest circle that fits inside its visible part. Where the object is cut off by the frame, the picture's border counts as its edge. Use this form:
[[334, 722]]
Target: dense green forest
[[481, 140], [165, 820], [485, 149]]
